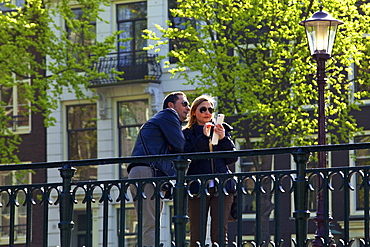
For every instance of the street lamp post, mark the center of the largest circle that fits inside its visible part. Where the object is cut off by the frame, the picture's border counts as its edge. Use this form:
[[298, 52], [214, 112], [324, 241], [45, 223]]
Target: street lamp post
[[321, 28]]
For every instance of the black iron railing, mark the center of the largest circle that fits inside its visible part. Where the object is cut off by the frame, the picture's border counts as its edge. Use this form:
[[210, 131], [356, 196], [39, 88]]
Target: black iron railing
[[284, 186], [132, 65]]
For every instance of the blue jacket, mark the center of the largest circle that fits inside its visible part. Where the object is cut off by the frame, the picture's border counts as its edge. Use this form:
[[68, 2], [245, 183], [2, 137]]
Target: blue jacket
[[162, 135], [196, 141]]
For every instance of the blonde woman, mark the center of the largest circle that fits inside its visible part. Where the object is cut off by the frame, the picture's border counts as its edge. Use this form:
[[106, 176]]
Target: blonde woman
[[198, 132]]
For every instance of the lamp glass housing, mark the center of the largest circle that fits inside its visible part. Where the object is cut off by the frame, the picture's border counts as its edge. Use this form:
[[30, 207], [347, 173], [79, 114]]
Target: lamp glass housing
[[321, 36]]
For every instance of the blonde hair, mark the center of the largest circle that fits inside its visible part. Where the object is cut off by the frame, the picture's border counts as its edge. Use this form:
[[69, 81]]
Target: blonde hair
[[199, 100]]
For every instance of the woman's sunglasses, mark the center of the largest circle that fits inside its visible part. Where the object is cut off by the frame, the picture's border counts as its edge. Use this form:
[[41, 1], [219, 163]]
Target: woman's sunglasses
[[204, 109]]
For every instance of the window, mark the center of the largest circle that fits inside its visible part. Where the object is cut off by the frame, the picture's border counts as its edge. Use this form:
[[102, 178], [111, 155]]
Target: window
[[314, 179], [16, 107], [80, 227], [177, 22], [80, 37], [246, 165], [362, 158], [362, 85], [82, 138], [131, 116], [131, 18], [130, 233], [132, 59], [13, 178], [249, 200], [312, 195], [7, 6], [172, 228]]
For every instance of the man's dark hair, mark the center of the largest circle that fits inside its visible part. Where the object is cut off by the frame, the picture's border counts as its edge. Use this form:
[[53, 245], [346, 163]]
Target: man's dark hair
[[172, 97]]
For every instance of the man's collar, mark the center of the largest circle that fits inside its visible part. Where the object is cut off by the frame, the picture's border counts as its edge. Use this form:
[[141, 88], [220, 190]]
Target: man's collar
[[175, 113]]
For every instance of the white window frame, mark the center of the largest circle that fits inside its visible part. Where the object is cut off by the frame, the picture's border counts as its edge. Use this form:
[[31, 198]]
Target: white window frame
[[65, 105], [15, 106], [353, 194], [238, 141], [19, 239], [12, 2], [116, 118], [293, 167]]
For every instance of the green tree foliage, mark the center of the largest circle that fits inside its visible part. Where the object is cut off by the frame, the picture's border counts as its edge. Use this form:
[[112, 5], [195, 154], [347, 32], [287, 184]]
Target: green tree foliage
[[253, 56], [29, 35]]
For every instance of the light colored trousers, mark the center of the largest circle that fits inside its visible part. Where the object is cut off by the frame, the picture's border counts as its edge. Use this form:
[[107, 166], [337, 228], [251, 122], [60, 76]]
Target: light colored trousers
[[148, 211]]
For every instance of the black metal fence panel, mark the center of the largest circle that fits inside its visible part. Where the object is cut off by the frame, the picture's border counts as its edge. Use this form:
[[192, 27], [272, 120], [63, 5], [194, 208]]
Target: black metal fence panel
[[275, 208]]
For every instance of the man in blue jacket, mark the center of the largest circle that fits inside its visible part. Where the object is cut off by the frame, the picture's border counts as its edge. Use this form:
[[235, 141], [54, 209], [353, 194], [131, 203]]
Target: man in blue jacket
[[162, 134]]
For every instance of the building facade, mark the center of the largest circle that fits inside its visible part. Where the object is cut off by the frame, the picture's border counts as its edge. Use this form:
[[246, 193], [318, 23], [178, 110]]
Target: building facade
[[29, 126], [108, 125]]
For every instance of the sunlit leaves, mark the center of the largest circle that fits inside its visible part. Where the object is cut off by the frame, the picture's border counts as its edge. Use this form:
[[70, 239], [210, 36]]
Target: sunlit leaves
[[253, 56], [29, 36]]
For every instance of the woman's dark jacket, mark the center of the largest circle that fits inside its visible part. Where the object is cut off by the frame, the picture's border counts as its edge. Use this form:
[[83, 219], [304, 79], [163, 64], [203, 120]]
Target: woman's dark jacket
[[196, 141]]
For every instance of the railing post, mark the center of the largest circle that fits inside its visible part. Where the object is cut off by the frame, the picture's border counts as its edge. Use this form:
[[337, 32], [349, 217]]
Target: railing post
[[180, 201], [301, 213], [66, 206]]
